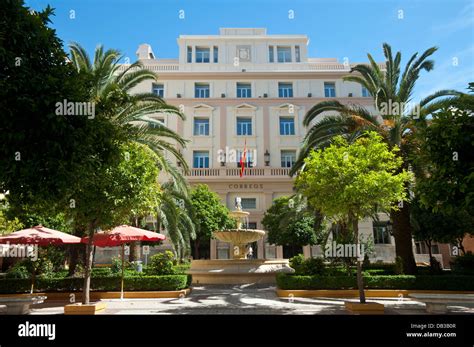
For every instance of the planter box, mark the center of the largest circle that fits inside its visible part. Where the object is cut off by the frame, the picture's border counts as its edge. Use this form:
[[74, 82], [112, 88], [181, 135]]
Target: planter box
[[368, 307], [80, 309]]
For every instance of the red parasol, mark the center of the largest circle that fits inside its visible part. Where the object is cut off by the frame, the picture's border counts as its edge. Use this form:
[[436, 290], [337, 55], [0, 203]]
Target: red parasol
[[120, 236], [123, 234], [39, 235]]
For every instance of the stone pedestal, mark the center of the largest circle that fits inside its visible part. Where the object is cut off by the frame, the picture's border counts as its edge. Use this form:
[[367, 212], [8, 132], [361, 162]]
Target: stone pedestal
[[237, 271]]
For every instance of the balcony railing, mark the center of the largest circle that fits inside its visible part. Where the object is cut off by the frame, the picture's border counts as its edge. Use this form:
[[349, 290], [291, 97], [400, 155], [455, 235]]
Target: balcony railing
[[235, 172], [287, 67]]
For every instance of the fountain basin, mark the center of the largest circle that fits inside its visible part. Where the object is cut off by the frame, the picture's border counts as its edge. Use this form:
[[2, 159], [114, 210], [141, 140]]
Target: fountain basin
[[239, 236], [235, 271]]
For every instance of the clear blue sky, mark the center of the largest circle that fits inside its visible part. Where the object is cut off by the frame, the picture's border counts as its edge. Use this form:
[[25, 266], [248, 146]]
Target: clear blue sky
[[336, 28]]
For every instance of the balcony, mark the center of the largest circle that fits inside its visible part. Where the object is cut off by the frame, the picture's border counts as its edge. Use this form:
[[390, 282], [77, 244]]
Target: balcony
[[232, 173], [310, 66]]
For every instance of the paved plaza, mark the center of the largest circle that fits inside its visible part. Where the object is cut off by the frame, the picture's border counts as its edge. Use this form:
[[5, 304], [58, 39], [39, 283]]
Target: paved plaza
[[247, 300]]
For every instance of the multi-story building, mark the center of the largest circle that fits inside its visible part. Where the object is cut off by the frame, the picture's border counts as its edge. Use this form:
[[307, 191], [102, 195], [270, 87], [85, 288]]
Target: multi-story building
[[246, 89]]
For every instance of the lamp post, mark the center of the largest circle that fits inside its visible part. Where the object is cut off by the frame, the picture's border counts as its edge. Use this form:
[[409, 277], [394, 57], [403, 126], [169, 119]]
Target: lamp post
[[266, 157]]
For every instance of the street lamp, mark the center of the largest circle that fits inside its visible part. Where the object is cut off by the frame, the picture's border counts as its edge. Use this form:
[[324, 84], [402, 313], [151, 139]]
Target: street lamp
[[223, 160], [389, 227], [266, 157]]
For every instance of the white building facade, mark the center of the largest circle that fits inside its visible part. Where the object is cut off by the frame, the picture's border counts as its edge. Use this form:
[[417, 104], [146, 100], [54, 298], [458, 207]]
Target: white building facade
[[246, 88]]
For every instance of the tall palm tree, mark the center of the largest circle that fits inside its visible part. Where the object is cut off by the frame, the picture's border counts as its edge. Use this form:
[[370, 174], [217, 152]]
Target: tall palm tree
[[175, 215], [111, 87], [388, 87]]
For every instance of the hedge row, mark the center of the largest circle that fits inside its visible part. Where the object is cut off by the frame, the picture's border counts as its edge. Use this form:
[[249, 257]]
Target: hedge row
[[151, 283], [439, 282]]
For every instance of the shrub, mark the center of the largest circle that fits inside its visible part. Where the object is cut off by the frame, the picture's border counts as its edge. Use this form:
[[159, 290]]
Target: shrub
[[434, 282], [313, 266], [463, 264], [102, 272], [398, 265], [111, 283], [297, 263], [18, 270], [117, 264], [435, 266], [366, 262], [161, 264], [181, 269]]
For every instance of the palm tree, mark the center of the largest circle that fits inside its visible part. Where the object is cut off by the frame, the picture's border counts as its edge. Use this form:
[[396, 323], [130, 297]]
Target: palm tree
[[351, 121], [111, 87], [175, 215]]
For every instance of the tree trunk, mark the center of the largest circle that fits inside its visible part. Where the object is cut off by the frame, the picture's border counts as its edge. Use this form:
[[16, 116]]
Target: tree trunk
[[134, 251], [360, 280], [73, 259], [88, 266], [402, 233], [196, 249], [430, 253]]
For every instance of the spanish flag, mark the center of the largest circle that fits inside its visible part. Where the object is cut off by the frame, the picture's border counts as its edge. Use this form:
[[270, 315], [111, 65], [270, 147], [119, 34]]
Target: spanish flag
[[243, 159]]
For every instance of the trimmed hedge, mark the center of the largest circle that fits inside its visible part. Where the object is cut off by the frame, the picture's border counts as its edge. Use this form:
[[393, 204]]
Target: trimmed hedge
[[440, 282], [135, 283]]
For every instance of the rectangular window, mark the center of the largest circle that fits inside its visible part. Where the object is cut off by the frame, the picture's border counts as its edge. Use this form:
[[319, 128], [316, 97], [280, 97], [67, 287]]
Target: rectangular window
[[200, 159], [158, 89], [249, 204], [381, 234], [244, 90], [271, 59], [365, 93], [288, 158], [284, 54], [202, 54], [201, 90], [297, 54], [189, 53], [251, 225], [285, 90], [216, 54], [248, 158], [201, 126], [244, 126], [287, 126], [329, 89], [161, 120]]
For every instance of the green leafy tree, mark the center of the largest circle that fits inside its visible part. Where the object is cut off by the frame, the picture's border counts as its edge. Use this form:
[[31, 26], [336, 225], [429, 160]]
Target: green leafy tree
[[210, 215], [110, 194], [290, 223], [445, 174], [40, 152], [432, 226], [392, 90], [346, 181]]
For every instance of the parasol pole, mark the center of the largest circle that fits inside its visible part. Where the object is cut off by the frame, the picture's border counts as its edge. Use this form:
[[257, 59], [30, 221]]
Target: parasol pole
[[123, 256]]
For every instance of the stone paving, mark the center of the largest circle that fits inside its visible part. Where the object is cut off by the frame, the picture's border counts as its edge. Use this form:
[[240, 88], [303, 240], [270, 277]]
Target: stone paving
[[244, 299]]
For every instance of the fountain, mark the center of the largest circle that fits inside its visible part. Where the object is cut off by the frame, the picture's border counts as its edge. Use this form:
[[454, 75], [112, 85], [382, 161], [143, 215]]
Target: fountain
[[239, 237], [239, 269]]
